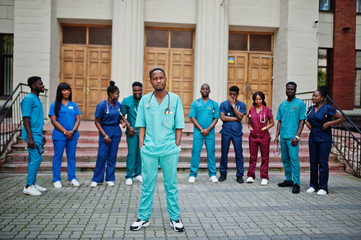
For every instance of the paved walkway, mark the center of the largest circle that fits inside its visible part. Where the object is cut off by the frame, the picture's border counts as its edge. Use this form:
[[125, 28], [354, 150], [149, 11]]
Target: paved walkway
[[226, 210]]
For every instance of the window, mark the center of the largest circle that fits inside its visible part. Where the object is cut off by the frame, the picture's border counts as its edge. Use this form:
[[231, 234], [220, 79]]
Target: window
[[87, 35], [250, 42], [358, 6], [323, 59], [238, 41], [325, 5], [6, 64], [357, 99], [166, 38]]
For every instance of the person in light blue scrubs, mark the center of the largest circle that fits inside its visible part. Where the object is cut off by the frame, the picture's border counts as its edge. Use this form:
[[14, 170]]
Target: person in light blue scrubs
[[291, 118], [107, 119], [130, 108], [32, 132], [65, 117], [204, 114], [160, 120]]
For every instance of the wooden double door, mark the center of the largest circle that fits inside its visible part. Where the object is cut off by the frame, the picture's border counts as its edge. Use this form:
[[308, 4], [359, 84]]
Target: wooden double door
[[87, 70], [251, 72]]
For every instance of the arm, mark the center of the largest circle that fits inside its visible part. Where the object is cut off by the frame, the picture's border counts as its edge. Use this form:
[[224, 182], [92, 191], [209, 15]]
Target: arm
[[277, 140], [206, 131], [141, 136], [27, 126], [178, 136], [58, 126], [225, 118], [339, 119], [239, 115], [249, 124], [99, 127], [299, 131], [196, 123], [270, 124]]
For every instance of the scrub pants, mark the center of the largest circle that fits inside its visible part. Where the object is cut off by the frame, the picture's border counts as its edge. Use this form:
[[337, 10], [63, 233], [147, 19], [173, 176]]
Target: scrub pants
[[150, 165], [237, 144], [59, 145], [290, 160], [107, 154], [319, 154], [196, 154], [34, 160], [253, 149], [134, 162]]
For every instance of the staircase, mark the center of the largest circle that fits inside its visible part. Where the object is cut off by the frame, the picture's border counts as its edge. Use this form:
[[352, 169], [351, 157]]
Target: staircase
[[16, 160]]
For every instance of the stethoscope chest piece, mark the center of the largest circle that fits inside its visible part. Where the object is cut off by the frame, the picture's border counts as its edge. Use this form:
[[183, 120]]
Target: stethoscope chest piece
[[148, 105]]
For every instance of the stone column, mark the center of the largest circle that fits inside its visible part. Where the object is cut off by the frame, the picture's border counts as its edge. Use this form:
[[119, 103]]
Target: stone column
[[127, 44], [211, 48]]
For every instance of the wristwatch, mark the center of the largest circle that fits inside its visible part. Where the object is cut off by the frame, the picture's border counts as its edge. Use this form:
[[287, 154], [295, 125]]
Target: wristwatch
[[298, 138], [179, 147]]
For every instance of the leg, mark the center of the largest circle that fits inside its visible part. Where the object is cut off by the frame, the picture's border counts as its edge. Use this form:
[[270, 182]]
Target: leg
[[34, 161], [264, 146], [226, 141], [112, 159], [59, 146], [102, 157], [70, 155], [169, 169], [295, 162], [150, 172], [196, 154], [314, 161], [211, 156], [132, 143], [237, 144], [253, 149], [324, 153], [286, 159]]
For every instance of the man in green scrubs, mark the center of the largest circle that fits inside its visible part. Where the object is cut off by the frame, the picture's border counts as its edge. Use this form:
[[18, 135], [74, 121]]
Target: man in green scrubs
[[160, 120], [130, 108]]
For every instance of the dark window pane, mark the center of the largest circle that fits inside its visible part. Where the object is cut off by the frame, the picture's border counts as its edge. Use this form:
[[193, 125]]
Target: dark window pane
[[6, 64], [357, 99], [260, 43], [325, 5], [358, 59], [181, 39], [100, 36], [322, 57], [74, 35], [237, 41], [157, 38], [358, 6]]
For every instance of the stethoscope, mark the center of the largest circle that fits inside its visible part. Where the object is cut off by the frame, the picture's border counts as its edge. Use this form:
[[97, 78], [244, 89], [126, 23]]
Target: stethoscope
[[167, 110], [260, 115], [116, 106], [199, 104]]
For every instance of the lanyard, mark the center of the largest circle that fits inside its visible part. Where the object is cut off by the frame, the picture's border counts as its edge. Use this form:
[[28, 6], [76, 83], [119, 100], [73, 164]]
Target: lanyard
[[167, 110]]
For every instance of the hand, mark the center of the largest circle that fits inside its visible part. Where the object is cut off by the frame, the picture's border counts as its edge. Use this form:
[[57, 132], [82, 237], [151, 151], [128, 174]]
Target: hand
[[264, 129], [44, 140], [277, 140], [205, 132], [232, 101], [325, 126], [250, 128], [123, 124], [31, 143], [69, 134], [140, 146], [131, 131], [294, 141], [308, 125], [107, 139]]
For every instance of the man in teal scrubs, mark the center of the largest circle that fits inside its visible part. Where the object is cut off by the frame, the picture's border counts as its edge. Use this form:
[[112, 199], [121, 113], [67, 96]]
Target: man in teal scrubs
[[160, 120], [204, 114], [130, 108], [291, 118], [32, 133]]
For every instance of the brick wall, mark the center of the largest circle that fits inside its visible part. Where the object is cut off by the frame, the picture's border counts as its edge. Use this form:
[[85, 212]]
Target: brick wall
[[342, 79]]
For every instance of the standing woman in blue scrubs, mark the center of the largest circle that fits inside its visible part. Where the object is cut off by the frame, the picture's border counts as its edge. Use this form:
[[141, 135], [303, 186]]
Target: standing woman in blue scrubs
[[107, 119], [319, 121], [65, 117]]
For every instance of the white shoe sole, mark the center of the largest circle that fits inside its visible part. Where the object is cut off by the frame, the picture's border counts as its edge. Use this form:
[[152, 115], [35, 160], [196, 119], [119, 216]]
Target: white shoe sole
[[140, 227]]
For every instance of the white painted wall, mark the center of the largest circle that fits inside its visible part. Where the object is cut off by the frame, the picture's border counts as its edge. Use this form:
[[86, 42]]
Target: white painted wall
[[85, 9], [358, 32], [54, 54], [7, 16], [325, 30]]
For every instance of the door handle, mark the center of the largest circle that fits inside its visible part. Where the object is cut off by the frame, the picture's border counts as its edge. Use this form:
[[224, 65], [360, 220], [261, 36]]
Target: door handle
[[87, 86], [245, 87], [249, 85]]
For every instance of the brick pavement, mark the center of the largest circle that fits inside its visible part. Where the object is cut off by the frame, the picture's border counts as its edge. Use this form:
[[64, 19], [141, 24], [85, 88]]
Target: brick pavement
[[226, 210]]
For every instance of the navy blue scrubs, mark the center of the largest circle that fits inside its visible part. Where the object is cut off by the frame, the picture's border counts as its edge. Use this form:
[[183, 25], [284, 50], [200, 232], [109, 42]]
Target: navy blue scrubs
[[320, 143], [107, 152]]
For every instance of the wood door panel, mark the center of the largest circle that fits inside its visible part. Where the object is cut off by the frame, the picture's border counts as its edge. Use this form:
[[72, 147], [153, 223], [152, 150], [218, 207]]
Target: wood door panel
[[154, 57], [237, 73]]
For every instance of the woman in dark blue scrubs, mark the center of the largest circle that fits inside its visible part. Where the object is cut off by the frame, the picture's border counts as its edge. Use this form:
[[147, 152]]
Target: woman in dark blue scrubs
[[65, 117], [319, 121], [107, 119]]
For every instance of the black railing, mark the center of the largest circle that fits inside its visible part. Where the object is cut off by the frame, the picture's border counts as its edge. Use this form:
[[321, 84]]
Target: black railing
[[10, 115], [346, 138]]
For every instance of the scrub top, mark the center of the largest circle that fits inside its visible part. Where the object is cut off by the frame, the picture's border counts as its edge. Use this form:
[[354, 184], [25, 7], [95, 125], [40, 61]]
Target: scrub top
[[160, 125], [109, 116], [317, 119], [67, 118], [291, 113], [32, 107], [130, 108], [258, 121], [234, 128]]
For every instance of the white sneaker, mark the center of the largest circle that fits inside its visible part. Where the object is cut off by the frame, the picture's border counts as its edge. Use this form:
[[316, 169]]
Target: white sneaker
[[321, 192], [213, 179], [191, 179], [94, 184], [311, 190], [137, 225], [31, 190], [177, 225], [40, 188], [110, 184], [264, 182], [250, 180], [138, 178], [75, 183], [57, 184], [129, 181]]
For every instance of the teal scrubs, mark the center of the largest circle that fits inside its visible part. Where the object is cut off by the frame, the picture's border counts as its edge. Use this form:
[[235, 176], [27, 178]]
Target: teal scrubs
[[204, 113], [134, 163], [160, 122], [32, 107], [290, 114]]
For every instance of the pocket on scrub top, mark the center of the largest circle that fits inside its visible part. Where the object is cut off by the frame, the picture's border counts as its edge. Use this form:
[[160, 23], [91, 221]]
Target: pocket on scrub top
[[168, 120]]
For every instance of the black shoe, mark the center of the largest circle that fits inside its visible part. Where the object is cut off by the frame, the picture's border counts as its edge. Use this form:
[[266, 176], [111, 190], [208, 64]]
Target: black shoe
[[286, 183], [222, 178], [296, 188], [240, 180]]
